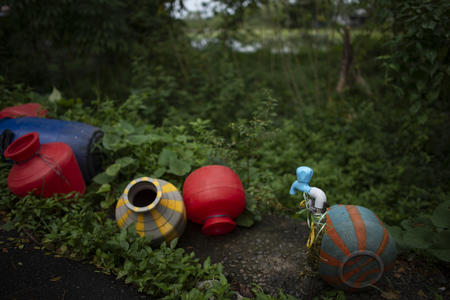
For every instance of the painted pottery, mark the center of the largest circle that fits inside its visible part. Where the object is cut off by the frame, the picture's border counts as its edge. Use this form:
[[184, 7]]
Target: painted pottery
[[356, 248], [155, 207], [214, 196], [45, 169]]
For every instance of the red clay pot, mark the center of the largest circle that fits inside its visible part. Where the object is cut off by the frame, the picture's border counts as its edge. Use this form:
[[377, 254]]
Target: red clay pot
[[213, 196], [23, 110], [44, 169]]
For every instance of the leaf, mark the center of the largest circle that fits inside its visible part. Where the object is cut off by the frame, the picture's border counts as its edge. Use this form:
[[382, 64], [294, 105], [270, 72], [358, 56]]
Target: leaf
[[441, 254], [124, 245], [125, 127], [102, 178], [165, 157], [107, 203], [137, 139], [415, 108], [431, 55], [8, 226], [442, 239], [111, 142], [179, 167], [246, 219], [419, 237], [125, 161], [55, 278], [104, 188], [55, 96], [396, 232], [207, 263], [173, 243], [441, 215], [159, 172], [112, 170]]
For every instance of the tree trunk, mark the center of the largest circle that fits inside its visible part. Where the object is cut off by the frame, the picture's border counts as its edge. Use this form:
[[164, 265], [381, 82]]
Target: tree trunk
[[347, 60]]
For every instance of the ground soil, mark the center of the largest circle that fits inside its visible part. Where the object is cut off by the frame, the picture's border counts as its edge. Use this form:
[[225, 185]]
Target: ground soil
[[271, 256]]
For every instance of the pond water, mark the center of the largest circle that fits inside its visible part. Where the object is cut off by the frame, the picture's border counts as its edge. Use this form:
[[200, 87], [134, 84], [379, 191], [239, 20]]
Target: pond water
[[275, 47], [241, 47]]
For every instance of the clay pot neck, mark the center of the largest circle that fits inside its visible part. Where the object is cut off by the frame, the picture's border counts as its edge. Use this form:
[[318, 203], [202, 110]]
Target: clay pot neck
[[143, 196], [23, 148]]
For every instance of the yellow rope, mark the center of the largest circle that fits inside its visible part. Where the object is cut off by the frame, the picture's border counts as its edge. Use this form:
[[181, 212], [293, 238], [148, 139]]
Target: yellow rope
[[311, 237], [302, 204]]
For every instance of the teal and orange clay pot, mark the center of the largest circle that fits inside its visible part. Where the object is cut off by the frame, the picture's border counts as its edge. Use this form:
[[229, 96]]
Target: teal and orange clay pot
[[155, 207], [356, 249]]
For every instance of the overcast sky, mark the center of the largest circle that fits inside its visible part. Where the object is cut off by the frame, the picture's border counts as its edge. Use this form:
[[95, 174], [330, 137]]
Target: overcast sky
[[194, 4]]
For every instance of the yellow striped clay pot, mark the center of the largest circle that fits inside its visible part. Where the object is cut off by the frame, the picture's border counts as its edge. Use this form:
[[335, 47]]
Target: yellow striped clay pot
[[155, 206]]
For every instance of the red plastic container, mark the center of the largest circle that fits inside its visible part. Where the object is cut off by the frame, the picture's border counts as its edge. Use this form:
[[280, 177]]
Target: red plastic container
[[213, 196], [44, 169], [23, 110]]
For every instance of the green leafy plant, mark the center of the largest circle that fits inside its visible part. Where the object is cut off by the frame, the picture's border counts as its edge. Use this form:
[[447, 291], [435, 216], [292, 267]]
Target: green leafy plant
[[430, 234]]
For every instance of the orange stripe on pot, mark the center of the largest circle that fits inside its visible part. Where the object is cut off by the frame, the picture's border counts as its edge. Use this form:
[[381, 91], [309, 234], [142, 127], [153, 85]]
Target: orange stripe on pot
[[334, 236], [385, 240], [358, 225], [329, 260], [350, 273], [360, 279]]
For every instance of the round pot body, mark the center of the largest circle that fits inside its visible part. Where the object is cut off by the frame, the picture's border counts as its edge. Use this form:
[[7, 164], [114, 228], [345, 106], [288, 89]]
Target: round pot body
[[356, 248], [84, 139], [155, 206], [46, 169], [214, 195], [23, 110]]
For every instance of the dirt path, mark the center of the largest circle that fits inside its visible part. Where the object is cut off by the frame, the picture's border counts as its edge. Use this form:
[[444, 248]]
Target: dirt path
[[269, 254], [272, 254]]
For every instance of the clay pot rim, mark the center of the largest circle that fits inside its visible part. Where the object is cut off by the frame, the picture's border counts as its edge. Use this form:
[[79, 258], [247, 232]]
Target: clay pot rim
[[358, 253], [24, 147], [144, 208], [218, 225]]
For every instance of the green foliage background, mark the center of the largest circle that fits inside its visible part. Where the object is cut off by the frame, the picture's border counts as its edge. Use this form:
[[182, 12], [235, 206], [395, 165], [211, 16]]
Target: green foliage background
[[168, 108]]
